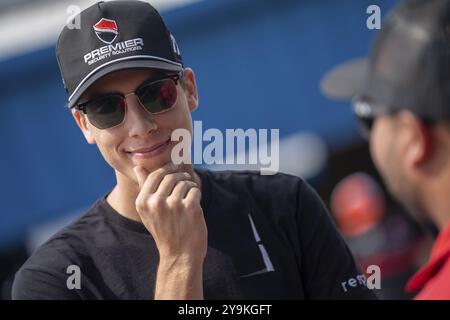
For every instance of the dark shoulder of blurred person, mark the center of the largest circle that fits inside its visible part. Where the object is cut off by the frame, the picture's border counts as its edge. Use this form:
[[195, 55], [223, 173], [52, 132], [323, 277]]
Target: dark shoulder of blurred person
[[379, 233]]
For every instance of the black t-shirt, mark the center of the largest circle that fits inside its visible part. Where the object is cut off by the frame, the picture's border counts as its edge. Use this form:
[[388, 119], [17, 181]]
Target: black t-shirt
[[269, 237]]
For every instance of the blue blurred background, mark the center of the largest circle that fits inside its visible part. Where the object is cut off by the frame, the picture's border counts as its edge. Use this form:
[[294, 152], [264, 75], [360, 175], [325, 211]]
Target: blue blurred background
[[258, 65]]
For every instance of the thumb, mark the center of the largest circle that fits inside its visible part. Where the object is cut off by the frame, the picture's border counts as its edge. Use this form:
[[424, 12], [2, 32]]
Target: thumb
[[141, 175]]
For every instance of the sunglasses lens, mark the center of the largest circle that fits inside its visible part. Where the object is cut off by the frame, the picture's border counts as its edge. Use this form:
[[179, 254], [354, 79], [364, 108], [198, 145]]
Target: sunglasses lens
[[158, 96], [365, 125], [106, 112]]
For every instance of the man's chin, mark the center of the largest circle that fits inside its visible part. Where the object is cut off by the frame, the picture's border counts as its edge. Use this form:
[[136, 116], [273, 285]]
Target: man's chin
[[150, 167], [152, 164]]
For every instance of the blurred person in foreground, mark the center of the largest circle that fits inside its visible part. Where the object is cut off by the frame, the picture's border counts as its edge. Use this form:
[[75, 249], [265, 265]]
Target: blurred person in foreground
[[378, 233], [167, 231], [401, 95]]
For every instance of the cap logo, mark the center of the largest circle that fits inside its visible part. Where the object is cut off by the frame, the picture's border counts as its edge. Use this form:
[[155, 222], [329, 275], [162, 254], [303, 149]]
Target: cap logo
[[106, 30], [175, 45]]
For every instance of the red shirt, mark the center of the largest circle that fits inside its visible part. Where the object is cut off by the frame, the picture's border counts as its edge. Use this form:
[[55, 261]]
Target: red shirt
[[433, 280]]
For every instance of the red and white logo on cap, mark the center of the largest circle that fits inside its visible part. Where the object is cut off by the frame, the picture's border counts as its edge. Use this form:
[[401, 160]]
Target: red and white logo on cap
[[106, 30]]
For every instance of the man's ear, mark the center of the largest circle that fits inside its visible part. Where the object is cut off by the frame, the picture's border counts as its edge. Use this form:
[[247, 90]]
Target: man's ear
[[190, 88], [81, 121], [416, 138]]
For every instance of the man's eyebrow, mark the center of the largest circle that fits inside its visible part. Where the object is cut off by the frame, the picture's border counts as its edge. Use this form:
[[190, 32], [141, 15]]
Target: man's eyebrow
[[154, 77], [95, 95]]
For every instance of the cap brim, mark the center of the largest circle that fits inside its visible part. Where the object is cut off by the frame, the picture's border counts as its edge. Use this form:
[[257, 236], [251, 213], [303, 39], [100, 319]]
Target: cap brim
[[346, 80], [127, 64]]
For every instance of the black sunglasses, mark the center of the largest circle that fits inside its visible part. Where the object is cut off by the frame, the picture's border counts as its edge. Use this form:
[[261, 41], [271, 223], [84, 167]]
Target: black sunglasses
[[366, 113], [109, 110]]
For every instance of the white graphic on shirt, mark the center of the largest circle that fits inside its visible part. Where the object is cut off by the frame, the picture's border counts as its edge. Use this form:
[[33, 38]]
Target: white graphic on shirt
[[267, 262]]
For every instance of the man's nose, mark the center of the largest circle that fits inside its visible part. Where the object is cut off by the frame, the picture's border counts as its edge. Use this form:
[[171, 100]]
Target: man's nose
[[139, 121]]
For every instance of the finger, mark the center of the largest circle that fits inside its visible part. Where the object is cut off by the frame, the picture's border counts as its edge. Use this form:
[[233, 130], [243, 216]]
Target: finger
[[141, 175], [169, 181], [154, 178], [181, 189], [194, 195]]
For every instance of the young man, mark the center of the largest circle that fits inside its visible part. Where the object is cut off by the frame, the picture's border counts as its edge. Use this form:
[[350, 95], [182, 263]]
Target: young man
[[402, 98], [156, 235]]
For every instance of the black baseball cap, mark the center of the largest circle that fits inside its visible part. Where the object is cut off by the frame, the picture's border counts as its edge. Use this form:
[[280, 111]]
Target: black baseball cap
[[409, 66], [112, 36]]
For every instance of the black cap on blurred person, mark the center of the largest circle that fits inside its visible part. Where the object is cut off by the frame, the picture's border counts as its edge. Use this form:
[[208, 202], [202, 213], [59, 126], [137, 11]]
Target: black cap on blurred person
[[409, 66], [114, 35]]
